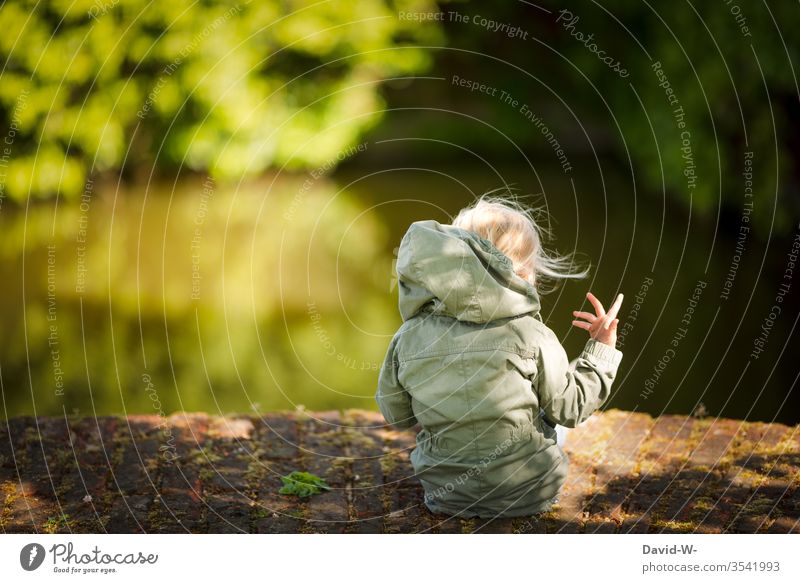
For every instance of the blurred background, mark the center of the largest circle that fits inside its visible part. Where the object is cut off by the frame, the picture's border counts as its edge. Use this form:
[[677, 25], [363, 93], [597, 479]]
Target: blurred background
[[201, 202]]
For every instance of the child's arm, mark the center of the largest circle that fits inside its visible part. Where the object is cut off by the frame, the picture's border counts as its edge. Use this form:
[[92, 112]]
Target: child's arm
[[393, 400], [570, 392]]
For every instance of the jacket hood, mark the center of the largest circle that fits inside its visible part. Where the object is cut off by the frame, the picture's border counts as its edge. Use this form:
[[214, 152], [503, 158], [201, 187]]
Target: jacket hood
[[460, 274]]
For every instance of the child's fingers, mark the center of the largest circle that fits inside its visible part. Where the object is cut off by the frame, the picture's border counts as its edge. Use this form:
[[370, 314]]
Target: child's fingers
[[612, 312], [610, 323], [582, 324], [585, 315], [598, 307]]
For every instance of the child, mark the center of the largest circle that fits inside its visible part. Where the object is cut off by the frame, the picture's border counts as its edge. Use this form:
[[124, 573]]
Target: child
[[477, 368]]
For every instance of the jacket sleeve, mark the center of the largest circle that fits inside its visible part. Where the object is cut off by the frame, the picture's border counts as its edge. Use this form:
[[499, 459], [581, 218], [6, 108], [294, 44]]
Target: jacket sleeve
[[393, 400], [569, 392]]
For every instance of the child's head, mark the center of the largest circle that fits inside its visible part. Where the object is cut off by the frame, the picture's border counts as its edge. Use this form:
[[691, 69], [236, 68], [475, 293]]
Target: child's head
[[515, 232]]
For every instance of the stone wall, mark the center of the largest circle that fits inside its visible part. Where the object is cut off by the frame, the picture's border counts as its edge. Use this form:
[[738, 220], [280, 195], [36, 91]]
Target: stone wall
[[202, 473]]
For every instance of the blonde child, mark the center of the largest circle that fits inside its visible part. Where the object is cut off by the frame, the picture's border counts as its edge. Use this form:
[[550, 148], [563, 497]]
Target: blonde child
[[476, 367]]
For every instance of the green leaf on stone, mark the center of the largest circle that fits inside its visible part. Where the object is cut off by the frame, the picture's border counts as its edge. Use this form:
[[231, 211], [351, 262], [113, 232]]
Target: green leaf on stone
[[303, 484]]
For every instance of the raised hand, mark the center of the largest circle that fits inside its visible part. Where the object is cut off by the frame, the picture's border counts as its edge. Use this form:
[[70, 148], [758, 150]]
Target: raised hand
[[602, 326]]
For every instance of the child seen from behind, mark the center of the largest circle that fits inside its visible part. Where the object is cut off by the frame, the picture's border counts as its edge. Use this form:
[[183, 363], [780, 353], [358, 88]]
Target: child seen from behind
[[476, 367]]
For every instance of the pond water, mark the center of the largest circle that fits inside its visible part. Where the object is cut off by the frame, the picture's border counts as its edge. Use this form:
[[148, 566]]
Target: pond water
[[280, 293]]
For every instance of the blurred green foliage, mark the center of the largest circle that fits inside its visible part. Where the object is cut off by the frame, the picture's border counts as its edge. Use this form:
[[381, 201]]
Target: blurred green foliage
[[225, 87], [738, 88], [739, 92], [233, 88]]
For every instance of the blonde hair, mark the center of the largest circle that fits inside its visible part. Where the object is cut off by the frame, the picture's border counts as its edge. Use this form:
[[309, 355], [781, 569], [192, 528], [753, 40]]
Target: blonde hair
[[514, 230]]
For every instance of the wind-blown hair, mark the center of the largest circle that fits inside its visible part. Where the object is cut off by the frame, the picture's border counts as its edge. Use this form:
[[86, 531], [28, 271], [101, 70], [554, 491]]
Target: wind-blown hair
[[515, 231]]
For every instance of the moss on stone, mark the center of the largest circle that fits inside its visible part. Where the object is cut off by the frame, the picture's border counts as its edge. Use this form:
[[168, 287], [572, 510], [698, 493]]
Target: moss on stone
[[58, 523], [674, 525]]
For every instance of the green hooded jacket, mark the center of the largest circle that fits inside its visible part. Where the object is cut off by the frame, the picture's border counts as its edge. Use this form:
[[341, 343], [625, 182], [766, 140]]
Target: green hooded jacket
[[474, 364]]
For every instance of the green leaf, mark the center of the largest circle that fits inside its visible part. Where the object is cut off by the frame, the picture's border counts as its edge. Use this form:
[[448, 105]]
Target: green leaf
[[303, 484]]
